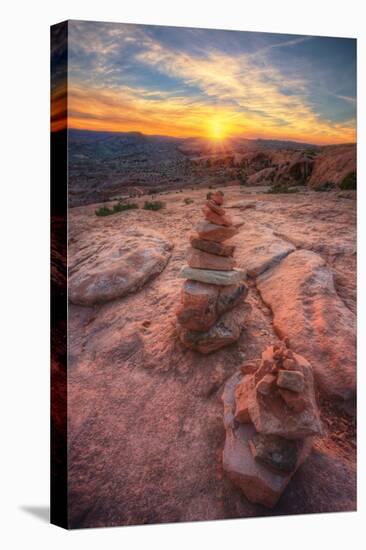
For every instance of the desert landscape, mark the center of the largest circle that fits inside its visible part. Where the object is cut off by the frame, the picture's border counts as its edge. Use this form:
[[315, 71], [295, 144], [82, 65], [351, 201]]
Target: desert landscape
[[209, 368], [145, 415]]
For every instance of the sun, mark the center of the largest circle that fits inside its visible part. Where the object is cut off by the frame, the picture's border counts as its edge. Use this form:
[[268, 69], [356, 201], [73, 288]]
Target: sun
[[218, 129]]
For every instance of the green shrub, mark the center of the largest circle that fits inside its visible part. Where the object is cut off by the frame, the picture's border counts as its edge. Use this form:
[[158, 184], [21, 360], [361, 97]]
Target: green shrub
[[154, 205], [349, 182], [282, 188], [119, 207], [326, 186], [188, 200]]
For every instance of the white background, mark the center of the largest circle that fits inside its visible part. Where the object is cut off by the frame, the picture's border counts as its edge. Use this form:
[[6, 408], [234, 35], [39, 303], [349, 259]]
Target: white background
[[24, 305]]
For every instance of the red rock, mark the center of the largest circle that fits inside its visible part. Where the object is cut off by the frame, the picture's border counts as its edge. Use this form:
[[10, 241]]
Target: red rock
[[215, 208], [249, 368], [295, 401], [230, 296], [266, 384], [224, 332], [203, 260], [217, 197], [211, 246], [198, 305], [213, 232], [290, 380], [258, 483], [269, 416], [307, 308], [241, 400], [215, 218], [275, 452]]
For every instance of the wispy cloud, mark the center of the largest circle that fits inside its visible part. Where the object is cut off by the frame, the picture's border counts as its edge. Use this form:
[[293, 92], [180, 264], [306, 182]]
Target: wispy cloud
[[126, 78]]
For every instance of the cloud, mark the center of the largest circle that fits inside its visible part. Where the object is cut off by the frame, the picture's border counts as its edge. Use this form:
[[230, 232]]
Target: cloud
[[248, 93]]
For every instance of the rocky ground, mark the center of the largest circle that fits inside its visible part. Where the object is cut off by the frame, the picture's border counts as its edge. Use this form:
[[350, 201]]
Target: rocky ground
[[146, 429]]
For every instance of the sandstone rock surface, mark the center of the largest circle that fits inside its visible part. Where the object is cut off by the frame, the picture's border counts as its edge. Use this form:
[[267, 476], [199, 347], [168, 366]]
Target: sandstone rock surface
[[212, 232], [105, 268], [307, 309]]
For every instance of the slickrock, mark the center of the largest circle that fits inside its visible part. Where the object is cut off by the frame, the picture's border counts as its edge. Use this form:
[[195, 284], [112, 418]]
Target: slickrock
[[211, 246], [212, 232], [307, 309], [260, 484], [108, 267], [204, 260], [212, 276], [261, 249]]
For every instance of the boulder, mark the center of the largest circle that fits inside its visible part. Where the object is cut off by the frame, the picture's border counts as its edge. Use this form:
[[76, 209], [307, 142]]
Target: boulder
[[270, 416], [211, 246], [224, 332], [212, 232], [307, 309], [203, 260], [217, 197], [110, 265], [212, 276], [258, 483], [295, 401]]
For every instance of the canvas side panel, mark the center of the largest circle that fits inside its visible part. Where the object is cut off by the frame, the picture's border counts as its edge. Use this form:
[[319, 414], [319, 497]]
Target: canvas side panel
[[59, 34]]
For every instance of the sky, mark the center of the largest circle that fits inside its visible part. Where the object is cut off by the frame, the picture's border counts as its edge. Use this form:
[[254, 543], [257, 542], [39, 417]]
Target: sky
[[214, 84]]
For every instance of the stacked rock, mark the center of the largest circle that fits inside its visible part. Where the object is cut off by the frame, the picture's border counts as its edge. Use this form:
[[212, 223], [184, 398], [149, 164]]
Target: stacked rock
[[207, 316], [270, 416]]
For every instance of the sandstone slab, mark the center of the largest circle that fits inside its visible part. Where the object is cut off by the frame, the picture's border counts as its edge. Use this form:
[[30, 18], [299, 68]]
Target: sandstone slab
[[211, 246], [260, 249], [204, 260], [230, 296], [215, 208], [307, 309], [258, 483], [112, 265], [212, 232], [224, 332], [212, 276], [290, 380]]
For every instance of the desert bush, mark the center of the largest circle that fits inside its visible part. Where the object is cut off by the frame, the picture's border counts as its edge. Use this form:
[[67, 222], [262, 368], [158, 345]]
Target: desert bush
[[282, 188], [187, 200], [119, 207], [349, 182], [326, 186], [154, 205]]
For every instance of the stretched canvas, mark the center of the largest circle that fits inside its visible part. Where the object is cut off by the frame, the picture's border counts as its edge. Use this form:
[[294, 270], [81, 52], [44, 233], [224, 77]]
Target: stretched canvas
[[203, 274]]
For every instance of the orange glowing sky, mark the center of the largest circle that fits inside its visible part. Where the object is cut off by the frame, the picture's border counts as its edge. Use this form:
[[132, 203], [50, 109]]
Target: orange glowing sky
[[209, 83]]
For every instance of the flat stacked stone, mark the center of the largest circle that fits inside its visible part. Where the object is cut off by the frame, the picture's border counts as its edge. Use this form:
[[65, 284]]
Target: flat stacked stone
[[208, 318], [271, 417]]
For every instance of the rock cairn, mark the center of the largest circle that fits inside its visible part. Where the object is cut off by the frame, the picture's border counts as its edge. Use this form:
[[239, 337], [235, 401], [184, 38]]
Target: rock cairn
[[270, 417], [208, 318]]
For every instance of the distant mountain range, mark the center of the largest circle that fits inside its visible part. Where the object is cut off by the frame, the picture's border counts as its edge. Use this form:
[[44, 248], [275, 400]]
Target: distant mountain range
[[104, 165]]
